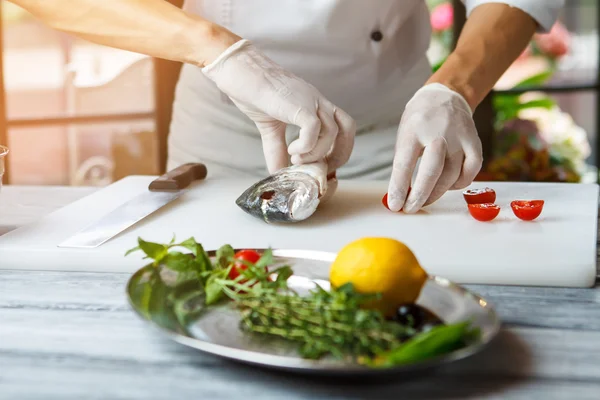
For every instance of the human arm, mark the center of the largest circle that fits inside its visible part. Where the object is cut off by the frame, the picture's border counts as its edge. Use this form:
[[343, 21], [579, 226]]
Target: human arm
[[270, 96], [152, 27], [438, 122], [494, 35]]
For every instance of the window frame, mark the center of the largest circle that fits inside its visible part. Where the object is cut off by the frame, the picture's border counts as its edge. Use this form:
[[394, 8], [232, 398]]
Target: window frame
[[3, 121], [164, 89]]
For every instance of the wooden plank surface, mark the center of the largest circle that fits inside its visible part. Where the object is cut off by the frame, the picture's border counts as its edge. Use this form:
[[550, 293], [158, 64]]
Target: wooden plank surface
[[73, 336]]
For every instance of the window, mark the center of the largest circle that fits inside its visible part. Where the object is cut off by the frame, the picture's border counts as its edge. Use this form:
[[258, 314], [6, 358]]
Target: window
[[77, 113]]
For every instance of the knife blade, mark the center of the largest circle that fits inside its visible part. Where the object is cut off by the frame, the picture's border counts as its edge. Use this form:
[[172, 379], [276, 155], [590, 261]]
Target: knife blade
[[161, 191]]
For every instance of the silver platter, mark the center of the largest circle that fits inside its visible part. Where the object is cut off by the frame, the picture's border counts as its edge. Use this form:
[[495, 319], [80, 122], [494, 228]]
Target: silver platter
[[216, 330]]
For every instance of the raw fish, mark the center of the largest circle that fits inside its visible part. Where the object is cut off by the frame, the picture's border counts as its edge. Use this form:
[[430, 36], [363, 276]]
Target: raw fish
[[292, 194]]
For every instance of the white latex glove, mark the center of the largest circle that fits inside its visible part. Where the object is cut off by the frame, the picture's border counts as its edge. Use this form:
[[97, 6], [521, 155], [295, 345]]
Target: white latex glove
[[437, 124], [273, 97]]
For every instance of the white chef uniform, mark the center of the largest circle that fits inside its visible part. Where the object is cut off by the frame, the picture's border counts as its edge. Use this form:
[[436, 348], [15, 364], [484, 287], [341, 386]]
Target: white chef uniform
[[366, 56]]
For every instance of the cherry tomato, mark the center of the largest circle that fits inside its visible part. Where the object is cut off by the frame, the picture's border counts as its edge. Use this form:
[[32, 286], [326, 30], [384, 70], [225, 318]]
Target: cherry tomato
[[246, 255], [484, 212], [527, 210], [479, 196], [384, 200]]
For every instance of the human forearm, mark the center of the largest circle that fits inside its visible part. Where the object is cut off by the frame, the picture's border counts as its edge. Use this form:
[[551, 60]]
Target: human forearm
[[492, 39], [239, 69], [152, 27]]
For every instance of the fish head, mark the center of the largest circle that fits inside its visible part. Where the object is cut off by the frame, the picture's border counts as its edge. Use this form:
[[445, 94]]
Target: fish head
[[286, 196]]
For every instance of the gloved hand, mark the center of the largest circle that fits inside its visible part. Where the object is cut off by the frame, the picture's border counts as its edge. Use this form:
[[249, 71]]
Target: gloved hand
[[437, 123], [273, 97]]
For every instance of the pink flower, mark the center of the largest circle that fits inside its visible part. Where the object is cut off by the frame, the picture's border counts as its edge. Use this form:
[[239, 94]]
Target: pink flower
[[554, 43], [442, 17]]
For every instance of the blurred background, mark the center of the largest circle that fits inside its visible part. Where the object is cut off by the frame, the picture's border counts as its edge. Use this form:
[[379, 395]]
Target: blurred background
[[81, 114], [541, 121]]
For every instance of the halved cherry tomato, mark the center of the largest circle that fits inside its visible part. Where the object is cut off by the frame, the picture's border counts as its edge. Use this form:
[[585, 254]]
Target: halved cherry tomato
[[246, 255], [384, 200], [484, 212], [527, 210], [479, 196]]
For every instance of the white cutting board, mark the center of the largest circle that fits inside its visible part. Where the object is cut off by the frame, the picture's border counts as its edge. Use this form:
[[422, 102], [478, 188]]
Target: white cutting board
[[558, 249]]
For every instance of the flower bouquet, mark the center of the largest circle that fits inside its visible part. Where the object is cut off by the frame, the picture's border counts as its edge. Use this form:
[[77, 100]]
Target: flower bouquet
[[535, 140]]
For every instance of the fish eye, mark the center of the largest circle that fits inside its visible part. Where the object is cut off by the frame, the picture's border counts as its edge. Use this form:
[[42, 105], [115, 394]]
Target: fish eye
[[268, 195]]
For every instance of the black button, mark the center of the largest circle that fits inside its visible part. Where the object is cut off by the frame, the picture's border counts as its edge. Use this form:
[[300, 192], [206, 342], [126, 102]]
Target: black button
[[377, 36]]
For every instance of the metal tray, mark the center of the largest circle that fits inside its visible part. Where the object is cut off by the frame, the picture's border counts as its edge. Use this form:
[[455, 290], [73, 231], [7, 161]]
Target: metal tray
[[217, 330]]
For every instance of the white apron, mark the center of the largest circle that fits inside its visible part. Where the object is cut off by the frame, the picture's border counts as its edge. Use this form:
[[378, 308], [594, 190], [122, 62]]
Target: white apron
[[366, 56]]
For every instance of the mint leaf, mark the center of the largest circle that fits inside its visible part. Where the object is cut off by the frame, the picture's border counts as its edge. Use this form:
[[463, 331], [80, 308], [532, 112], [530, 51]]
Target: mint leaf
[[179, 262], [205, 274], [265, 260], [213, 289], [186, 276], [189, 244], [155, 251], [128, 252], [202, 259], [224, 255]]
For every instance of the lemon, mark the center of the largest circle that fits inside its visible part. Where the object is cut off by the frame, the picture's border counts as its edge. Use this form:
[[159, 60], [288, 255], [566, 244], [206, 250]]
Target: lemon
[[379, 265]]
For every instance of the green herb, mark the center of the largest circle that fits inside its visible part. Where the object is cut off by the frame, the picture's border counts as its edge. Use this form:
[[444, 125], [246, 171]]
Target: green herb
[[197, 263], [214, 289], [265, 260], [224, 256], [323, 323], [439, 340], [179, 262], [153, 250]]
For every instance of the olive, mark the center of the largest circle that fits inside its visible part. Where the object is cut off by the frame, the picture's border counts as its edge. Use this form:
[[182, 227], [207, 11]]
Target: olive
[[409, 314], [416, 316]]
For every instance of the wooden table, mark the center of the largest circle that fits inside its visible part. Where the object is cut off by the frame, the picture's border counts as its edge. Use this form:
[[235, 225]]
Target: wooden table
[[73, 336]]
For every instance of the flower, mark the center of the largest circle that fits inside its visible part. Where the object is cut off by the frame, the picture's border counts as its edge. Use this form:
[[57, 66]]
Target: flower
[[524, 127], [555, 43], [442, 17], [565, 139]]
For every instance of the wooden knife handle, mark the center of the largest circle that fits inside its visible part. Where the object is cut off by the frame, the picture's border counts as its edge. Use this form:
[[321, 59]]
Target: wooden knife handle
[[179, 178]]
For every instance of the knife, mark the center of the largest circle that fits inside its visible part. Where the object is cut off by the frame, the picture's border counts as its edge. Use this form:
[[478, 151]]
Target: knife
[[161, 191]]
